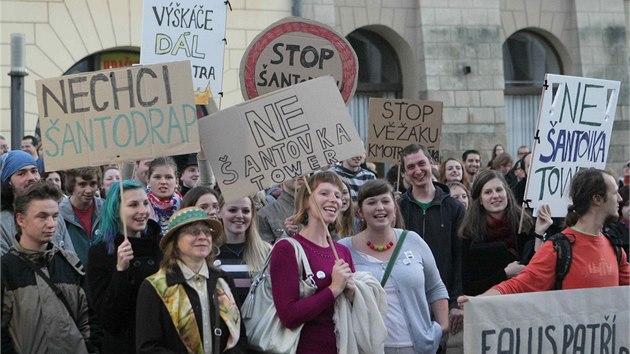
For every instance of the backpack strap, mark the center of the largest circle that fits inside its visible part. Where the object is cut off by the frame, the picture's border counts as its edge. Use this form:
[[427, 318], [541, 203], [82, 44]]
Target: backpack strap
[[614, 238], [564, 251]]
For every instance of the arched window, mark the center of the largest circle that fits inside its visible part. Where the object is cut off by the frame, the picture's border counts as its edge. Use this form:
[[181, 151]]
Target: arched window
[[379, 76], [527, 57]]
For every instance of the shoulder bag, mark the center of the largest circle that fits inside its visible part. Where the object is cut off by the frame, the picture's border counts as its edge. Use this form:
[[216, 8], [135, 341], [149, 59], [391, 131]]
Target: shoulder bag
[[264, 331], [392, 259]]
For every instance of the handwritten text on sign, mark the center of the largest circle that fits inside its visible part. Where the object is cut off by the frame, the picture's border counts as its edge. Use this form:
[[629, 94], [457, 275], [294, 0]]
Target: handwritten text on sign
[[396, 123], [574, 128], [187, 30], [568, 321], [115, 115], [279, 136]]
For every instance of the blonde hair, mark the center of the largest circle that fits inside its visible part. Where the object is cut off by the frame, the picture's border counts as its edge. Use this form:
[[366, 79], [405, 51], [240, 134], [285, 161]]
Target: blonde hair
[[256, 250]]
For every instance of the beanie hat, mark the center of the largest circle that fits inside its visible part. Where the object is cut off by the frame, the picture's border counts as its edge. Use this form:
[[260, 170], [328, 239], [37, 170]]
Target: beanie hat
[[14, 161]]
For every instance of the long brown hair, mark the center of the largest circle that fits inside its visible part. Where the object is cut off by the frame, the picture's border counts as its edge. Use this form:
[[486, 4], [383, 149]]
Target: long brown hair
[[442, 172], [474, 224], [586, 184]]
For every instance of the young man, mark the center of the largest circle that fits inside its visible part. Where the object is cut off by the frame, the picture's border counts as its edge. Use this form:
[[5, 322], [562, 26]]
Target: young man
[[595, 197], [353, 174], [82, 210], [30, 145], [38, 317], [472, 162], [428, 209], [272, 217], [19, 171]]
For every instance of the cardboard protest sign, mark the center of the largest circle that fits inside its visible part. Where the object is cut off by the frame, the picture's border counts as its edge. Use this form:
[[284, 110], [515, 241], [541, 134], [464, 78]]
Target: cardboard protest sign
[[595, 320], [574, 130], [278, 136], [115, 115], [294, 50], [395, 123], [187, 30]]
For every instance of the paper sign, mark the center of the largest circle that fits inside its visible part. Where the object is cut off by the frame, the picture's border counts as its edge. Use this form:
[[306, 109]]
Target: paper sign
[[115, 115], [278, 136], [187, 30], [394, 124], [574, 131], [294, 50], [567, 321]]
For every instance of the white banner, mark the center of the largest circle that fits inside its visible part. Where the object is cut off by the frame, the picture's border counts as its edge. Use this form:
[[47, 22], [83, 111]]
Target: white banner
[[593, 320]]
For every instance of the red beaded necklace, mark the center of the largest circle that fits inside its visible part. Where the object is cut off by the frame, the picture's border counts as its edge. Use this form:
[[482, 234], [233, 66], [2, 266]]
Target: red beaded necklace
[[380, 248]]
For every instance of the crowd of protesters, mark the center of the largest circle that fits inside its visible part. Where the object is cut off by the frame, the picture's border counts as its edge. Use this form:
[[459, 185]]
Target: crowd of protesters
[[165, 264]]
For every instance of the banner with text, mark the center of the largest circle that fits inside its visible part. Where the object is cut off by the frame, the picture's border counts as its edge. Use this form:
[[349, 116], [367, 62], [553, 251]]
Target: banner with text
[[115, 115], [396, 123], [279, 136], [574, 130], [187, 30], [595, 320]]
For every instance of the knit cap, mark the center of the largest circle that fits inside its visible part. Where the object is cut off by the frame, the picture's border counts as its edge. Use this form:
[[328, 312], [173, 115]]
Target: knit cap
[[14, 161]]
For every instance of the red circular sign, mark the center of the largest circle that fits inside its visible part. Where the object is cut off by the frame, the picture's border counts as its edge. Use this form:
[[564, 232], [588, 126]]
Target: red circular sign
[[304, 36]]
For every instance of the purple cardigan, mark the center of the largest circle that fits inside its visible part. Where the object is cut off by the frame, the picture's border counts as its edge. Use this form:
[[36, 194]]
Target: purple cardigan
[[315, 311]]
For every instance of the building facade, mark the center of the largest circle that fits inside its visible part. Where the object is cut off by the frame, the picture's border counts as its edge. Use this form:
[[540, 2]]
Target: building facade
[[485, 59]]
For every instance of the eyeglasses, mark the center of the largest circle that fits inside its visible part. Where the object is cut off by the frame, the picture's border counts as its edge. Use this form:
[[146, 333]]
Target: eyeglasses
[[197, 230]]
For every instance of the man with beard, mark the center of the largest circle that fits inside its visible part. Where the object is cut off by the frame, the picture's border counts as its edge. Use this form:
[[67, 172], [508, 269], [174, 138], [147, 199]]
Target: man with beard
[[472, 162], [19, 170]]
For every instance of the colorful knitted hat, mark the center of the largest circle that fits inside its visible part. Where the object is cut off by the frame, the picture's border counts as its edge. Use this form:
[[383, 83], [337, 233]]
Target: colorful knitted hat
[[187, 216]]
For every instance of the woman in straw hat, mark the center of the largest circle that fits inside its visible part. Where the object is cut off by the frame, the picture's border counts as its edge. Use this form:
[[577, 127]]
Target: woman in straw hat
[[188, 305]]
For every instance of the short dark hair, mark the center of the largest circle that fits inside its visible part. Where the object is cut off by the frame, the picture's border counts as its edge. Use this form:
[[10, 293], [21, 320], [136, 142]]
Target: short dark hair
[[468, 152], [38, 191], [412, 149], [586, 184], [86, 173], [32, 138]]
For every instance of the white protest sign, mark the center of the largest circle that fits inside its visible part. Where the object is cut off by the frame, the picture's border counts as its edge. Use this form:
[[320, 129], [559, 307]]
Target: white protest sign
[[187, 30], [115, 115], [574, 130], [595, 320], [278, 136]]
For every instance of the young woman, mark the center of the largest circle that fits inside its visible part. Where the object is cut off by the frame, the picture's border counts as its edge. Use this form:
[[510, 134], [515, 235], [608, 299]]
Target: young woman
[[347, 219], [205, 198], [163, 197], [414, 289], [178, 307], [111, 175], [496, 151], [56, 178], [453, 170], [492, 248], [118, 264], [331, 277], [459, 192], [243, 252]]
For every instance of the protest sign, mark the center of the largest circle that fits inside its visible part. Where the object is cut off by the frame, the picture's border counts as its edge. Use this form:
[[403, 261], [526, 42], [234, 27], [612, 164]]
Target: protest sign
[[294, 50], [574, 130], [394, 124], [187, 30], [595, 320], [116, 115], [278, 136]]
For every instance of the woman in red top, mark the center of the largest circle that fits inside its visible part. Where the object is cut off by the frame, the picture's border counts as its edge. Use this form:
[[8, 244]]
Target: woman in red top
[[331, 277]]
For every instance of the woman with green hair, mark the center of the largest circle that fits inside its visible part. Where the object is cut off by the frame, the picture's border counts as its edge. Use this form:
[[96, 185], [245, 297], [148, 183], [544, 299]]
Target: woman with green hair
[[120, 263]]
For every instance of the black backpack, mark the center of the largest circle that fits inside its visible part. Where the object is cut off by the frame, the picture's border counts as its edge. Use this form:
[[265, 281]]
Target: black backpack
[[564, 250]]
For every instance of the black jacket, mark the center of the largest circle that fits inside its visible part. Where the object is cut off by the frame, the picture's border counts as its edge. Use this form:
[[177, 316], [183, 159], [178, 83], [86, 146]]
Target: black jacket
[[114, 293], [155, 331], [438, 227]]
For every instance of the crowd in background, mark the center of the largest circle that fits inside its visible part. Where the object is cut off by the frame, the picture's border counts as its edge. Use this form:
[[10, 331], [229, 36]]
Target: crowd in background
[[161, 262]]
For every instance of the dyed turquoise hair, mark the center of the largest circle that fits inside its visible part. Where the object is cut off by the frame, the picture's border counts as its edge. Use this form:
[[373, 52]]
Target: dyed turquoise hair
[[110, 219]]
